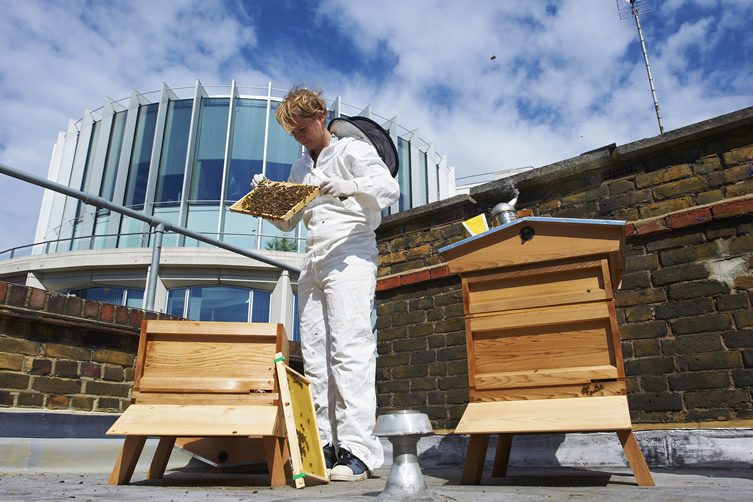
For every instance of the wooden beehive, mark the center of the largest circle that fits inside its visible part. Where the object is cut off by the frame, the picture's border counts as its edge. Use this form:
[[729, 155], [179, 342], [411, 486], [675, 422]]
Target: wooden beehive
[[203, 380], [542, 336], [276, 200]]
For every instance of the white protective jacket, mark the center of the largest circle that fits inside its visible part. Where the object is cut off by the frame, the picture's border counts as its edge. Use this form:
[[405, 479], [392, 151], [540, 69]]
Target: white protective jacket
[[330, 220]]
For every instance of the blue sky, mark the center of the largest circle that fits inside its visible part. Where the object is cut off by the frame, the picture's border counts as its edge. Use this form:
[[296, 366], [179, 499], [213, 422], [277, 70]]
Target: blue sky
[[567, 77]]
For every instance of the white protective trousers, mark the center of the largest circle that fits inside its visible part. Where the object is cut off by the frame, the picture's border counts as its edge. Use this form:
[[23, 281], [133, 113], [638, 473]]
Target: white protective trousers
[[336, 293]]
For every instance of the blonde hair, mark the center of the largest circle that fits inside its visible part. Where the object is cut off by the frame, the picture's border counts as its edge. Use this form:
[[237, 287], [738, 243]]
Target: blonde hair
[[299, 103]]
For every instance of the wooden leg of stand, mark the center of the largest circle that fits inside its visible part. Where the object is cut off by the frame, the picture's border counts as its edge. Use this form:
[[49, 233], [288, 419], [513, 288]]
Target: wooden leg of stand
[[273, 449], [635, 458], [161, 456], [127, 459], [502, 455], [474, 459]]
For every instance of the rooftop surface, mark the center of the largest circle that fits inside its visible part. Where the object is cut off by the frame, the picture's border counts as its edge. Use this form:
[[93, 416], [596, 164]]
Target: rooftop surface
[[198, 484]]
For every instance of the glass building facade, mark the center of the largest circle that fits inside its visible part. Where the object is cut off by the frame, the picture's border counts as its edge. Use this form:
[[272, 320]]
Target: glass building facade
[[185, 155]]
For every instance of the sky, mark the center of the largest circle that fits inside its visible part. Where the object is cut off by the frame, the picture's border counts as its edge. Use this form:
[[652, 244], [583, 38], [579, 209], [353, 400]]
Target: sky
[[495, 85]]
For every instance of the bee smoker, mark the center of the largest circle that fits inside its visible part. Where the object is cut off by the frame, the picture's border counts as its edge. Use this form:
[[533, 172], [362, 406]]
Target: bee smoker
[[504, 212]]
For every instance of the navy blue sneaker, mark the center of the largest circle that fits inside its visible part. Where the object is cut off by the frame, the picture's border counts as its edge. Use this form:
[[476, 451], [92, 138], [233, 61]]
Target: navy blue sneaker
[[349, 468], [330, 457]]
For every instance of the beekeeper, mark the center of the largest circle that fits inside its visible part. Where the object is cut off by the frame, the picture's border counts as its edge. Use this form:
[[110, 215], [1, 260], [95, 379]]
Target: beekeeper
[[338, 279]]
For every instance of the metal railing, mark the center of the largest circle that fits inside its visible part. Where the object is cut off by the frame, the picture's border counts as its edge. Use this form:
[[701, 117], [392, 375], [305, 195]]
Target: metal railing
[[159, 225]]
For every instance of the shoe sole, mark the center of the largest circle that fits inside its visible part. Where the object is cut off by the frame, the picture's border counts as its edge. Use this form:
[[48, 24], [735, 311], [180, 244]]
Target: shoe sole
[[348, 477]]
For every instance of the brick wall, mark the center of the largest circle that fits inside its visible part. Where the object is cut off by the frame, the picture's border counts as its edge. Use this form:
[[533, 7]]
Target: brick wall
[[684, 304], [64, 353]]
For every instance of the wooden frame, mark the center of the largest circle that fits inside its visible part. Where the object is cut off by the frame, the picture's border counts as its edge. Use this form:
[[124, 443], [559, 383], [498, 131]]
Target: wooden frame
[[203, 379], [542, 337]]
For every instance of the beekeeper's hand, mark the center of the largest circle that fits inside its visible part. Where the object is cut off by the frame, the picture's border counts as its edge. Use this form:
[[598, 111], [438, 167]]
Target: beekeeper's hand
[[338, 187], [258, 178]]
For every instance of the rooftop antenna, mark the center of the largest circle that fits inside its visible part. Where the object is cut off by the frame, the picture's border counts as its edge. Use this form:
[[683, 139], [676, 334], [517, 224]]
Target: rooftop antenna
[[628, 8]]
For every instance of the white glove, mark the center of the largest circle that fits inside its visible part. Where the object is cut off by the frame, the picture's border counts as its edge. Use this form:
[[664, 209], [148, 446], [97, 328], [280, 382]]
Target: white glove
[[258, 178], [338, 187]]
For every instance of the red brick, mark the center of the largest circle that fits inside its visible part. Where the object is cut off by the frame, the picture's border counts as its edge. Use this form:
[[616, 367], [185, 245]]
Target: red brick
[[733, 208], [37, 299], [107, 312], [389, 283], [689, 218], [630, 230], [135, 318], [3, 291], [92, 370], [73, 306], [415, 277], [651, 227], [91, 309], [57, 402], [439, 272], [17, 295], [121, 315]]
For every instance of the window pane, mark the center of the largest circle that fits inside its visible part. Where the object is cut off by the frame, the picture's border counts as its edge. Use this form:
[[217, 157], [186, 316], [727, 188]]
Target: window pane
[[100, 294], [202, 219], [218, 303], [206, 180], [282, 150], [83, 223], [240, 230], [176, 299], [247, 146], [260, 308], [275, 240], [172, 163], [422, 181], [403, 176], [141, 157], [113, 156], [134, 297]]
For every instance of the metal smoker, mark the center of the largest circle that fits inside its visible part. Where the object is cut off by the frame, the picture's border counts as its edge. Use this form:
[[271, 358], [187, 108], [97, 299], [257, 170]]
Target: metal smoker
[[403, 429], [504, 212]]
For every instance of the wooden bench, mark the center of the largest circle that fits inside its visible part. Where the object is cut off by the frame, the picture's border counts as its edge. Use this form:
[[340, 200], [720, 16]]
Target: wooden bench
[[203, 380], [543, 342]]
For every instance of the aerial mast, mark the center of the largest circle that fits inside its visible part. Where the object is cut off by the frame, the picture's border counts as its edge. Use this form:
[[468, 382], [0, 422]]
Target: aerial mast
[[633, 8]]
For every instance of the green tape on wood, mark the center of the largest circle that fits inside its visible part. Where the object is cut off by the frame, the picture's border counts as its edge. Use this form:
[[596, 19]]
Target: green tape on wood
[[299, 476], [277, 360]]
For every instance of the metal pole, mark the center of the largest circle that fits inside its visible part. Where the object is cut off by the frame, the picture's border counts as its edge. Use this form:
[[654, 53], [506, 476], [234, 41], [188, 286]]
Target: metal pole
[[648, 68], [93, 200], [154, 267]]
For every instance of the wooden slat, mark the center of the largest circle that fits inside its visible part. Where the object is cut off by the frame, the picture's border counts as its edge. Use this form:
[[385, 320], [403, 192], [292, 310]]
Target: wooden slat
[[253, 398], [186, 384], [594, 414], [245, 329], [553, 241], [607, 388], [571, 345], [543, 316], [565, 287], [537, 377], [196, 420]]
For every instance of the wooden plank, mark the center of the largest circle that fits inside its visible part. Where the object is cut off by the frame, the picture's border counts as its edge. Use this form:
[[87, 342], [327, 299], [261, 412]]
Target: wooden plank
[[572, 345], [254, 398], [196, 420], [565, 287], [161, 457], [253, 202], [635, 459], [245, 329], [502, 455], [552, 241], [474, 459], [127, 459], [613, 388], [186, 384], [542, 316], [594, 414], [306, 454], [547, 376], [547, 268]]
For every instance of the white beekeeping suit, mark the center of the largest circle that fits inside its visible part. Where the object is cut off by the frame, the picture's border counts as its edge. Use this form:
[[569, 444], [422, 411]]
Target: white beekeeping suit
[[336, 291]]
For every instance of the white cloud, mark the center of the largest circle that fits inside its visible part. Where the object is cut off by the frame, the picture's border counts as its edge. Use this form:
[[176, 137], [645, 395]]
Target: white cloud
[[567, 77]]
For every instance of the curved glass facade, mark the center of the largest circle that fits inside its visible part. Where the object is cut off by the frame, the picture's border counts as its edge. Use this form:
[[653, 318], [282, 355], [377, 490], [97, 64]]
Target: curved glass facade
[[186, 155]]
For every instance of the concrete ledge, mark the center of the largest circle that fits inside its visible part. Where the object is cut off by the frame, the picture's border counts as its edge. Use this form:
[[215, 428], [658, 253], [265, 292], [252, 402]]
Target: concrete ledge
[[692, 448]]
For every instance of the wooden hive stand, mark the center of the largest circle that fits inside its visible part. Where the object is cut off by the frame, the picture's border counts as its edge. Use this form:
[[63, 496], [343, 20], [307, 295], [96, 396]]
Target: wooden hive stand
[[542, 337], [203, 380]]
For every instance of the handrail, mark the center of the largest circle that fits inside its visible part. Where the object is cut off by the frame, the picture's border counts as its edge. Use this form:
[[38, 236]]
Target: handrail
[[153, 221]]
